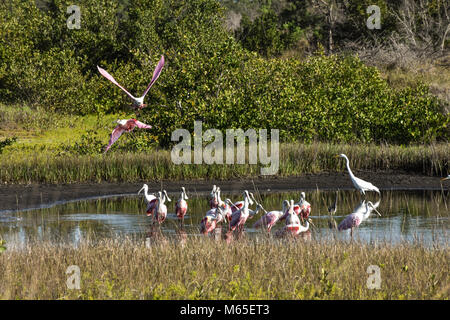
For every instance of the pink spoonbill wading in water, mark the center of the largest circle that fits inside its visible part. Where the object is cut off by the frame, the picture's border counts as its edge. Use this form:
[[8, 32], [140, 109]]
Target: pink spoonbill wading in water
[[137, 102], [211, 220], [293, 226], [151, 200], [271, 218], [354, 219], [181, 206], [213, 202], [161, 208], [240, 216]]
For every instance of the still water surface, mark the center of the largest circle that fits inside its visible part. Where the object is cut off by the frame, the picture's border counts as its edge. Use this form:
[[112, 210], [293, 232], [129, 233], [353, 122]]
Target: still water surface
[[407, 216]]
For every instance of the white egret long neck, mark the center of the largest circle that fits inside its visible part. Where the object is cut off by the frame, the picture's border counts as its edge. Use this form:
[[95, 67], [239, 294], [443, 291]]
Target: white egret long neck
[[347, 163]]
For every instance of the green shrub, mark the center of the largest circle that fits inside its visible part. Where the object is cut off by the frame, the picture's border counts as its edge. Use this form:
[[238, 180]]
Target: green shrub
[[208, 76], [7, 142]]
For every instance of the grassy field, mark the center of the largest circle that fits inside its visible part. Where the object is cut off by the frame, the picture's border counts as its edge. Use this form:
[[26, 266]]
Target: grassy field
[[207, 269]]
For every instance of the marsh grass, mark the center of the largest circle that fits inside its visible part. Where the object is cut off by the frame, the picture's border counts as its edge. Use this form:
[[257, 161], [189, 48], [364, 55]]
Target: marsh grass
[[201, 268], [295, 159]]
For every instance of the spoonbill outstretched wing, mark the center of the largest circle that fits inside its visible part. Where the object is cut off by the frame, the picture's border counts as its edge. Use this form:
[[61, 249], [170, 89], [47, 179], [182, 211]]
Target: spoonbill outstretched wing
[[138, 102], [122, 126]]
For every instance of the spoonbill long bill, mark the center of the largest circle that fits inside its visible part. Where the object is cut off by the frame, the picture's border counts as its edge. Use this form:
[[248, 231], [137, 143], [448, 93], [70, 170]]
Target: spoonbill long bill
[[181, 205], [446, 178], [122, 126], [137, 102], [148, 196], [359, 184], [369, 208]]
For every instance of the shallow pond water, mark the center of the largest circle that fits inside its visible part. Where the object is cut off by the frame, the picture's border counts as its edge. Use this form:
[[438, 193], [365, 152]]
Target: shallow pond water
[[407, 216]]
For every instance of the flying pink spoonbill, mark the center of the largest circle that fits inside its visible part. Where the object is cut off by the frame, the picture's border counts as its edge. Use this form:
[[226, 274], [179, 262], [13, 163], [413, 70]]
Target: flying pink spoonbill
[[122, 126], [181, 205], [137, 102], [271, 218], [355, 218]]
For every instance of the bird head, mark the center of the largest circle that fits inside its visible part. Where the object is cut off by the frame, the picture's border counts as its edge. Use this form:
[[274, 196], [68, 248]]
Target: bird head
[[145, 187], [446, 178], [184, 195], [247, 196], [167, 196]]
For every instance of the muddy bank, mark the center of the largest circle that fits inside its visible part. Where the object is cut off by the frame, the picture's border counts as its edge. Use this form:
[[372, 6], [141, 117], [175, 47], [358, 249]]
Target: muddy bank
[[19, 197]]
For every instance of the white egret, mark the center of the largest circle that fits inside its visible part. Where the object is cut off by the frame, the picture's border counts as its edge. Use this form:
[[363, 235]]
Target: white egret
[[359, 184]]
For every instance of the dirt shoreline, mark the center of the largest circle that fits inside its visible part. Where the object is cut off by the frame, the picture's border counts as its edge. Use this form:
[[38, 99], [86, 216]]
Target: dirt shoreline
[[20, 197]]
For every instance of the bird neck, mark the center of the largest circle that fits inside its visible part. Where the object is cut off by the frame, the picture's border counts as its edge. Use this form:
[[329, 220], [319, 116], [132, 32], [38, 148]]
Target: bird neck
[[306, 225], [218, 197], [347, 163]]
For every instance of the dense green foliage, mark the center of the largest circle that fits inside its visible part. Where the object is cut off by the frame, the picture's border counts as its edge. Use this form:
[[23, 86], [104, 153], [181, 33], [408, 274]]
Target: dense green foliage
[[7, 142], [208, 76], [272, 26]]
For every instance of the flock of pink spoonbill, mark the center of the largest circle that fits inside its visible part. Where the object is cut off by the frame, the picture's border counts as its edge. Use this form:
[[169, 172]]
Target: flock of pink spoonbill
[[235, 215], [138, 104]]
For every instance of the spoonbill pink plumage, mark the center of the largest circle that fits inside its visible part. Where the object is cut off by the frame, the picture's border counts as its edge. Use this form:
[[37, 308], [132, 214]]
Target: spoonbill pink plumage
[[181, 205], [355, 218], [271, 218], [122, 126]]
